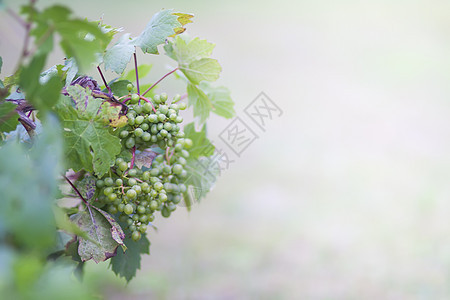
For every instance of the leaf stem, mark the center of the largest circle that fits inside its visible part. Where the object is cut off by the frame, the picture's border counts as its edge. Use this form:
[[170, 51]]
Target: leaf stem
[[153, 85], [16, 17], [76, 190], [104, 80]]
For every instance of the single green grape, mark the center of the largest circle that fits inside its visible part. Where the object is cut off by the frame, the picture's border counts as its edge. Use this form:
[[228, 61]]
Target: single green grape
[[131, 193], [134, 98], [128, 209], [136, 236], [129, 87]]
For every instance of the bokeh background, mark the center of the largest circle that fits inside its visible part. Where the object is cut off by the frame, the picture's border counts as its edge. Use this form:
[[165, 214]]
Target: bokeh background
[[344, 196]]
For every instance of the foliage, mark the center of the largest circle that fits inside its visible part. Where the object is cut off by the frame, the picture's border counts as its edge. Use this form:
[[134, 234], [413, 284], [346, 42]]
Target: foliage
[[120, 155]]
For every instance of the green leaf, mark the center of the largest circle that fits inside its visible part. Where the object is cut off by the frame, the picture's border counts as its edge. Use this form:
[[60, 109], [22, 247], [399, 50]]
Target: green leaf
[[200, 102], [41, 95], [161, 26], [202, 175], [98, 229], [71, 68], [193, 59], [201, 144], [8, 117], [185, 51], [28, 181], [204, 69], [118, 56], [89, 144], [220, 98], [126, 263], [119, 88]]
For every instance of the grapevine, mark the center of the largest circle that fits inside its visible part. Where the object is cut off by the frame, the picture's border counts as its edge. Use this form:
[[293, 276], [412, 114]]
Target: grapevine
[[121, 151]]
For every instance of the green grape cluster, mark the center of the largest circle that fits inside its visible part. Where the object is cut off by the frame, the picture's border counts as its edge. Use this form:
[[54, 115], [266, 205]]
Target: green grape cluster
[[134, 194]]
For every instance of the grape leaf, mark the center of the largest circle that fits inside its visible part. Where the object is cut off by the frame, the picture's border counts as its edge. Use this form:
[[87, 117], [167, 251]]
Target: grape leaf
[[193, 59], [183, 19], [204, 69], [84, 131], [200, 102], [117, 233], [119, 87], [98, 229], [161, 26], [201, 145], [118, 56], [8, 117], [202, 175], [126, 263], [28, 185], [220, 98], [71, 69], [145, 159]]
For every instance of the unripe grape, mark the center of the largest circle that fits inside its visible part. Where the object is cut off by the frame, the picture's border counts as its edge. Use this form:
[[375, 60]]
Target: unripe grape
[[179, 119], [163, 109], [138, 109], [154, 205], [108, 191], [100, 183], [176, 98], [130, 143], [155, 171], [134, 98], [137, 188], [138, 131], [109, 181], [174, 106], [128, 209], [135, 217], [143, 228], [129, 87], [146, 137], [163, 97], [173, 117], [112, 209], [131, 193], [182, 105], [136, 236], [144, 126], [143, 219], [123, 134], [184, 153], [156, 99], [147, 107], [139, 120], [163, 197], [131, 121], [132, 173], [168, 126], [123, 166], [121, 207], [161, 117], [177, 169], [165, 212], [158, 186], [152, 118], [112, 197]]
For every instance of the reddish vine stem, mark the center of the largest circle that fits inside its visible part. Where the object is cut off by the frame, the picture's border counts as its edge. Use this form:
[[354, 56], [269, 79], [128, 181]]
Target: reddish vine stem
[[137, 75], [133, 153], [148, 100], [171, 154], [184, 96], [167, 155], [76, 190], [84, 201], [16, 17], [153, 85], [104, 80], [126, 99]]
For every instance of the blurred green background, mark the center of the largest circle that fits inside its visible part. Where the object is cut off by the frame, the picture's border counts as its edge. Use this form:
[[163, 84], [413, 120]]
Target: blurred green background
[[346, 195]]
